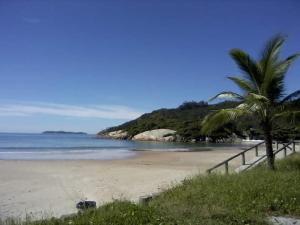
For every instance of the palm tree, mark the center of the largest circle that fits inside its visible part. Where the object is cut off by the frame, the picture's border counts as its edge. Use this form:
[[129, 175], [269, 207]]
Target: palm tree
[[262, 86]]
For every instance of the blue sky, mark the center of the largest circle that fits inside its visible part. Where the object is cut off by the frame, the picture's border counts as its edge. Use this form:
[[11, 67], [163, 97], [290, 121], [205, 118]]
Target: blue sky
[[87, 65]]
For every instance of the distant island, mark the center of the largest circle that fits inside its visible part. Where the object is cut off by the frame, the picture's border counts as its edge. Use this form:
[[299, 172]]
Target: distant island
[[63, 132]]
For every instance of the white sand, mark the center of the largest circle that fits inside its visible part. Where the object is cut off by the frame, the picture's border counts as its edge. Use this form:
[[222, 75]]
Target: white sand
[[52, 188]]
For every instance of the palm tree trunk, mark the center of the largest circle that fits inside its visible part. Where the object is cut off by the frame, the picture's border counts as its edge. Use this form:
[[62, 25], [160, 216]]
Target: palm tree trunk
[[269, 146]]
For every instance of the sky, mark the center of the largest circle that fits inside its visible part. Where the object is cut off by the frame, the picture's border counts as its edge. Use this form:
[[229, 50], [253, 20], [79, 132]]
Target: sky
[[88, 65]]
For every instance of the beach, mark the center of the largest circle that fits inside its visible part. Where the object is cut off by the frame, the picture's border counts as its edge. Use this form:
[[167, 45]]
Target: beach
[[45, 188]]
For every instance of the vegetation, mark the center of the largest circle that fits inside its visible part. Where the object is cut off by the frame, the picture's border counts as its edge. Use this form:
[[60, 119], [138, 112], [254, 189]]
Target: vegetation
[[187, 119], [262, 94], [246, 198]]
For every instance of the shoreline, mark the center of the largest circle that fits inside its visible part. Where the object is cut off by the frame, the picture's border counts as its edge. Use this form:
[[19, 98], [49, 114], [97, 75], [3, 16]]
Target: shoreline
[[45, 188], [100, 155]]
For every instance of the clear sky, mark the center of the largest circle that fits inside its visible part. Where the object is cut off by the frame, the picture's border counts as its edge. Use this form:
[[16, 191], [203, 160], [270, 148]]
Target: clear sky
[[86, 65]]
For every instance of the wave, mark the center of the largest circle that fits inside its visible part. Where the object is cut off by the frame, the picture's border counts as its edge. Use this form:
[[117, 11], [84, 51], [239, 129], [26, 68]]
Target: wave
[[58, 151], [72, 148], [68, 155]]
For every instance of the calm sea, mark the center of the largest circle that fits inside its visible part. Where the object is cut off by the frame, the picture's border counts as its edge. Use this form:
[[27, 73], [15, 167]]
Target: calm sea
[[78, 146]]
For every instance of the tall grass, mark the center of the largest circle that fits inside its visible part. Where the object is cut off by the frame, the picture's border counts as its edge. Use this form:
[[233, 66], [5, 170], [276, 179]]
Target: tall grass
[[246, 198]]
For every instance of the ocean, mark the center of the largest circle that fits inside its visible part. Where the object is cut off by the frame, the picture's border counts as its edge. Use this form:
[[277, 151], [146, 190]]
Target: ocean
[[18, 146]]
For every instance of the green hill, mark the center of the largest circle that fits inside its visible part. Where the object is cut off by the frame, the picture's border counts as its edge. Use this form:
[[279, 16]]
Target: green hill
[[186, 120]]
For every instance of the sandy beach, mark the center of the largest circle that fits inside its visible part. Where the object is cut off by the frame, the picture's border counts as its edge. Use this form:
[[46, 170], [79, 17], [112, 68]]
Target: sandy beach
[[52, 188]]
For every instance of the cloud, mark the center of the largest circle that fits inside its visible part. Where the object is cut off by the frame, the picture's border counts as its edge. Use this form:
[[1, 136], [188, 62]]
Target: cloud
[[94, 111], [31, 20]]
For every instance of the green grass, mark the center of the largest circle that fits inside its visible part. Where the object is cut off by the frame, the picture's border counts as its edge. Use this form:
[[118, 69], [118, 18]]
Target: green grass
[[246, 198]]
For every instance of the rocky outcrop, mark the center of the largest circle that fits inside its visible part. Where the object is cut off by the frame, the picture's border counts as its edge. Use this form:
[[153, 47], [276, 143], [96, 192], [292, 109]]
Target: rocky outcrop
[[119, 134], [166, 135], [156, 135]]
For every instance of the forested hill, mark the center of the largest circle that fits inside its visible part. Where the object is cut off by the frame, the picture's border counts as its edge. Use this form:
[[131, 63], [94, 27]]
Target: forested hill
[[186, 120]]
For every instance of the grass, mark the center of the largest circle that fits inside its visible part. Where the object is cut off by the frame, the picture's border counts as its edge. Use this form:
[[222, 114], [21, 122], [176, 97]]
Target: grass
[[246, 198]]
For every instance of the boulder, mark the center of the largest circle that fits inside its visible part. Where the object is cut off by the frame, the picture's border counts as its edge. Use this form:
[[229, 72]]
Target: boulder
[[85, 205], [156, 135], [119, 134]]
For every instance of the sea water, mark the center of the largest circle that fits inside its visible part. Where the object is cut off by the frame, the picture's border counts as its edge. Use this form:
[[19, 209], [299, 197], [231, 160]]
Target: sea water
[[17, 146]]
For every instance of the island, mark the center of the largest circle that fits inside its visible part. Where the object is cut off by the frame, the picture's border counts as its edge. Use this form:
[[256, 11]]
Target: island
[[63, 132]]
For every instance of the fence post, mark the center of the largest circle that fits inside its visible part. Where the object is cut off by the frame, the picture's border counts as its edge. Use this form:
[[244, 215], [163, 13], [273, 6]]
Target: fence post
[[284, 152], [294, 146], [226, 167], [256, 151], [243, 159], [276, 145]]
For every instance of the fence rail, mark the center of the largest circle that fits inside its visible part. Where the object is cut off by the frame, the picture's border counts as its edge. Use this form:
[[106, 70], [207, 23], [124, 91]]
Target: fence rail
[[290, 145]]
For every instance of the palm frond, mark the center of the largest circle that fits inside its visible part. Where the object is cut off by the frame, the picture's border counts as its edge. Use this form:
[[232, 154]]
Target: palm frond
[[257, 98], [227, 95], [291, 97], [283, 66], [243, 84], [272, 50], [250, 107], [272, 83], [216, 120], [249, 66], [277, 86]]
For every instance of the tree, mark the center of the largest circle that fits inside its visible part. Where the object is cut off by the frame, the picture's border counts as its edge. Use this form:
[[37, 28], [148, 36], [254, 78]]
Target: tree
[[262, 92]]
